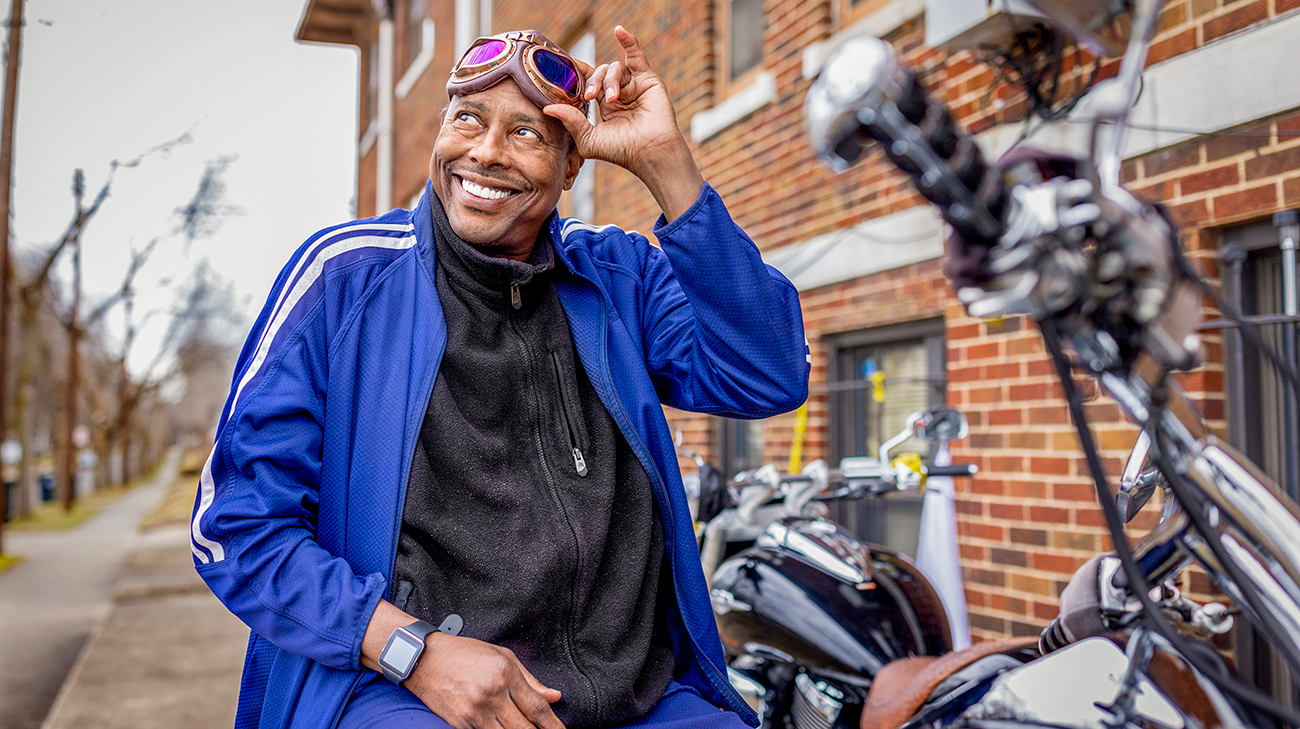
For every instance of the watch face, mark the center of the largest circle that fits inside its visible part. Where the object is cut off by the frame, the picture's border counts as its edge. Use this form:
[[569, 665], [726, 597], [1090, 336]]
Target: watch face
[[400, 653]]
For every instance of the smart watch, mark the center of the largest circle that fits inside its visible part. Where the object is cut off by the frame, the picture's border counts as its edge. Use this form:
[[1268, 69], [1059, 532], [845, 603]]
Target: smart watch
[[405, 645]]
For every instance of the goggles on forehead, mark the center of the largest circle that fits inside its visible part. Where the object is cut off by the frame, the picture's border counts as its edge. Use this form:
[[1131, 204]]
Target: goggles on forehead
[[544, 72]]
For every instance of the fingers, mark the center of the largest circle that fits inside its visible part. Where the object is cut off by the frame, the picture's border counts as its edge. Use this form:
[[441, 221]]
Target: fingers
[[577, 124], [550, 694], [596, 81], [632, 52], [533, 708], [609, 82], [509, 717], [617, 78], [533, 699]]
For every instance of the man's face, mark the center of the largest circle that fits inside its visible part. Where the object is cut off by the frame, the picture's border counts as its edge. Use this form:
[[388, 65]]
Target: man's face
[[499, 166]]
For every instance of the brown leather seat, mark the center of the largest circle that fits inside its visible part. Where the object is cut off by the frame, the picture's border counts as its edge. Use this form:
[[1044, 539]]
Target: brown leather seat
[[902, 686]]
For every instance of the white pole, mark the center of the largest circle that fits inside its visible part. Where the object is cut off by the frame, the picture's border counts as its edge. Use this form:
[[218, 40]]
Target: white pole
[[384, 139]]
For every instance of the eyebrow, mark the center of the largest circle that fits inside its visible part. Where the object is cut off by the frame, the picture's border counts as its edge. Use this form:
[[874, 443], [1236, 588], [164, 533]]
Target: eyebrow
[[517, 117]]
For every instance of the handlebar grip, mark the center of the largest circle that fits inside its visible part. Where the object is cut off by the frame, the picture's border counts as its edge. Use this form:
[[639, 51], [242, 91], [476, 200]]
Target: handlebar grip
[[956, 469], [864, 93]]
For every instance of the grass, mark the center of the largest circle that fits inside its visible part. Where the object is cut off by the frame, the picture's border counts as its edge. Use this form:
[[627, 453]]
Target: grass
[[52, 516], [174, 509], [176, 506], [9, 560]]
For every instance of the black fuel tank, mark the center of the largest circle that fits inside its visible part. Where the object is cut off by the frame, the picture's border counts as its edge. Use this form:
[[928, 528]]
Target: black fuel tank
[[808, 589]]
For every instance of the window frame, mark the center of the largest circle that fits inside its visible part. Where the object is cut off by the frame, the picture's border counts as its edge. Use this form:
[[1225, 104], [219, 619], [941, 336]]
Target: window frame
[[848, 13], [1247, 428], [579, 201], [870, 519], [417, 11], [724, 85]]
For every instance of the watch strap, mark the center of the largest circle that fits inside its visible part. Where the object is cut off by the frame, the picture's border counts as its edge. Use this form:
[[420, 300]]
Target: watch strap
[[419, 629]]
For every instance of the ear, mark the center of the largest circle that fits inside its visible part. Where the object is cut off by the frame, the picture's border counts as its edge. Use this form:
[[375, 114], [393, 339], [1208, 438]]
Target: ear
[[572, 164]]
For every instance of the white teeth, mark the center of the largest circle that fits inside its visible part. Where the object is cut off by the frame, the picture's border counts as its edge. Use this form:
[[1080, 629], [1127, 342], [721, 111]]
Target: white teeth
[[486, 193]]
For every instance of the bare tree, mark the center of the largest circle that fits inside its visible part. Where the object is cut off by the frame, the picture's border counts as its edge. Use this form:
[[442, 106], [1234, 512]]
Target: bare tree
[[34, 292], [201, 217], [205, 332]]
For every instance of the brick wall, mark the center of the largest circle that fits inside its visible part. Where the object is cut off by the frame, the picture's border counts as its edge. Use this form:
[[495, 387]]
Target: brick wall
[[1030, 518]]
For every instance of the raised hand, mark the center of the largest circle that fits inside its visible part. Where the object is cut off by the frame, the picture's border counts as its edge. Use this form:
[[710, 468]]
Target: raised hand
[[637, 129]]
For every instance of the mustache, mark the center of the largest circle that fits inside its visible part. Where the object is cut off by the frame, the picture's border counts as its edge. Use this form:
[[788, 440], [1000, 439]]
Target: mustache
[[479, 172]]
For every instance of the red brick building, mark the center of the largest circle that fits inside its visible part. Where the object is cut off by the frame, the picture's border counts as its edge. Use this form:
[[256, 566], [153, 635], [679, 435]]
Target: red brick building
[[1216, 139]]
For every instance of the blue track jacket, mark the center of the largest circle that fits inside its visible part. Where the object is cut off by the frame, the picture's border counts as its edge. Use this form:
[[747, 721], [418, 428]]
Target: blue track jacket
[[296, 521]]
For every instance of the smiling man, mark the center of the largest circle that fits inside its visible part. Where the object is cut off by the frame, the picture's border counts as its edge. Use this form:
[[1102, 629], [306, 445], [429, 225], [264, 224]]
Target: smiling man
[[443, 492]]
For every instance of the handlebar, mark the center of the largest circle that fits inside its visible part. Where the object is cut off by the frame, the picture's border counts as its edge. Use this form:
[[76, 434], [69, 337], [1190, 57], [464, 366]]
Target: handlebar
[[956, 470], [818, 482]]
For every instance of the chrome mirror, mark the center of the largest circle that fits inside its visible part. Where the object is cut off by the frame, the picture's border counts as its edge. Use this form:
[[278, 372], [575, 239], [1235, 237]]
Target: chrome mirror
[[1137, 483], [938, 425]]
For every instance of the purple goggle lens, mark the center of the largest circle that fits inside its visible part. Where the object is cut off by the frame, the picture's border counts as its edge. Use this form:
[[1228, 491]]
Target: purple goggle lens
[[556, 69], [482, 53]]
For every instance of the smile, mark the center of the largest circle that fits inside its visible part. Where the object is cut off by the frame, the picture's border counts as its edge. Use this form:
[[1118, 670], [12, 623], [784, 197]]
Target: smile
[[486, 193]]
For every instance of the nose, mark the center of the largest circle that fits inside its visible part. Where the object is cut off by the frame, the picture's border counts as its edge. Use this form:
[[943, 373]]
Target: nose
[[489, 149]]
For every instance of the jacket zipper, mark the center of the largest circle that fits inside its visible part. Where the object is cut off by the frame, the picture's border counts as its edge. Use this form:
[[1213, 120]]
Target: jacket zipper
[[569, 410], [567, 633], [720, 682]]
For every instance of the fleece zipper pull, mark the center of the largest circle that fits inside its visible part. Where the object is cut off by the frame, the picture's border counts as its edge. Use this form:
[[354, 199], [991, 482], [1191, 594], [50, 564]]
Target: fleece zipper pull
[[515, 299], [579, 462]]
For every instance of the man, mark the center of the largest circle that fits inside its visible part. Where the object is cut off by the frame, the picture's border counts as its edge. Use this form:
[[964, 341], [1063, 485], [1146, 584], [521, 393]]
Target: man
[[452, 416]]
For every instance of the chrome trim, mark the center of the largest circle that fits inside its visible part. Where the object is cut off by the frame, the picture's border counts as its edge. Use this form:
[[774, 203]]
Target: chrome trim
[[823, 545]]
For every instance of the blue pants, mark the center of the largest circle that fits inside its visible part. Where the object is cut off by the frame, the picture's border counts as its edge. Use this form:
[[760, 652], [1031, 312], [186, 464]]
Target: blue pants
[[378, 703]]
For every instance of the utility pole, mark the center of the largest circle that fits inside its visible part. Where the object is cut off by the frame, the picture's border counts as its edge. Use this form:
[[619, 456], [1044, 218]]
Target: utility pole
[[6, 176], [67, 463]]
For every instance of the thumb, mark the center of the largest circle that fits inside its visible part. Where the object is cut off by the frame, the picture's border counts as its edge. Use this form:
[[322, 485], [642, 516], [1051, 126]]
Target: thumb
[[573, 120]]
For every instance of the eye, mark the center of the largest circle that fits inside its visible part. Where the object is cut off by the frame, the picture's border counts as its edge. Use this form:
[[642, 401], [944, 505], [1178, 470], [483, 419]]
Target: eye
[[528, 133], [466, 117]]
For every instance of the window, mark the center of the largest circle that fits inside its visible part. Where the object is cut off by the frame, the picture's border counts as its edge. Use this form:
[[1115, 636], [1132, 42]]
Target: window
[[851, 11], [419, 39], [416, 14], [579, 201], [740, 445], [740, 47], [877, 378], [745, 46], [1262, 410], [372, 89]]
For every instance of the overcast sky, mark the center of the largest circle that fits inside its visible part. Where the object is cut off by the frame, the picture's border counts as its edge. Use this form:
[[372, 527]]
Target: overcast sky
[[108, 79]]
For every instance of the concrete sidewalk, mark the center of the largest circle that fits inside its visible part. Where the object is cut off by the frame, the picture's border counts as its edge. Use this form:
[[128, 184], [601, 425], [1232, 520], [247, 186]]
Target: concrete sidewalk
[[53, 600], [167, 655]]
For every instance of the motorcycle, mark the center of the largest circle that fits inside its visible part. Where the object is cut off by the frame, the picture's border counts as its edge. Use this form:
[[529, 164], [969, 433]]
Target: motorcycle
[[1103, 275], [806, 612]]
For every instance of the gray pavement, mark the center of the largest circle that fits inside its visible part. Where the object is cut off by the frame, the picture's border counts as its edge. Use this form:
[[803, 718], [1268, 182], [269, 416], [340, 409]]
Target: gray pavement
[[168, 654], [50, 603]]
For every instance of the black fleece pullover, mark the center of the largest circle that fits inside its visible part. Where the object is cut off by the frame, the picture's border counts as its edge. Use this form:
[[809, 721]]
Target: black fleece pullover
[[527, 513]]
